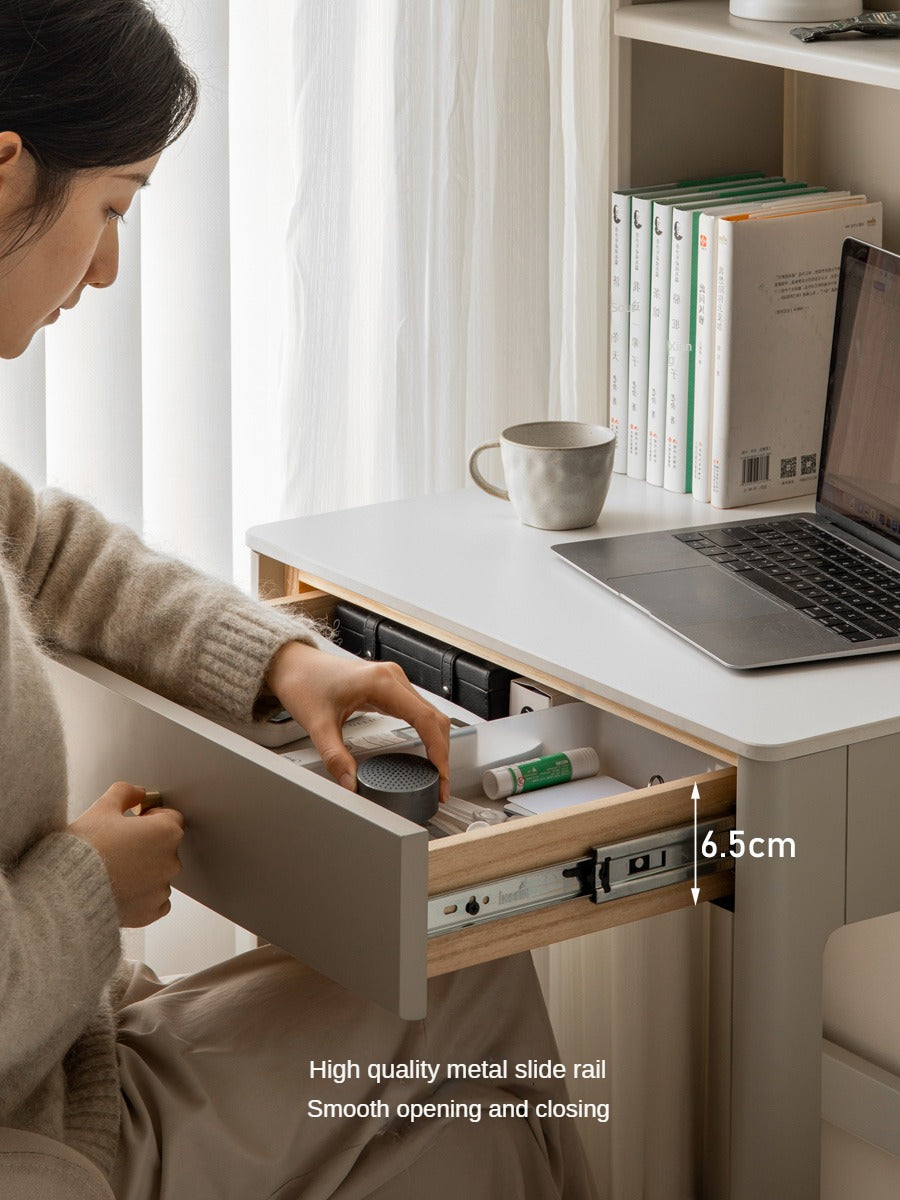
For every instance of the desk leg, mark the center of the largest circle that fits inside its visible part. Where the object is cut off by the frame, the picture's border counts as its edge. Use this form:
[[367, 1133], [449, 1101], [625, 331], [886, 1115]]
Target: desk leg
[[785, 908]]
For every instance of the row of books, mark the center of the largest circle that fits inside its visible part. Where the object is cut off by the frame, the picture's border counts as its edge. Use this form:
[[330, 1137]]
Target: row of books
[[722, 295]]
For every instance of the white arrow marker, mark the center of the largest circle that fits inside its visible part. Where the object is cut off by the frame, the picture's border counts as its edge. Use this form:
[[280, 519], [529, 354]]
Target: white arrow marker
[[695, 796]]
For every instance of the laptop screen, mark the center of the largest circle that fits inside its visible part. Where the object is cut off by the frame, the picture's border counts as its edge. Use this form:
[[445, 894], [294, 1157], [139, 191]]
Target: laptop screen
[[859, 478]]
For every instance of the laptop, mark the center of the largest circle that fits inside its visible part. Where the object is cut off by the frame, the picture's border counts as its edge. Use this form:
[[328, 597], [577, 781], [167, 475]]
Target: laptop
[[801, 588]]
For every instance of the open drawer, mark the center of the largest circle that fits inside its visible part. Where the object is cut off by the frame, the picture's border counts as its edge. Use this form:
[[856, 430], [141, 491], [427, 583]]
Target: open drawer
[[345, 885], [576, 870]]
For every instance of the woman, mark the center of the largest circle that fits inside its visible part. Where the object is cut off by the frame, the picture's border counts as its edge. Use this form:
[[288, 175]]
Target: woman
[[200, 1088]]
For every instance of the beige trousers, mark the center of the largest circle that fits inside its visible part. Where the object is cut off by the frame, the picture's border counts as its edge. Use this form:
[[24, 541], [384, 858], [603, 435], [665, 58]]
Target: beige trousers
[[216, 1082]]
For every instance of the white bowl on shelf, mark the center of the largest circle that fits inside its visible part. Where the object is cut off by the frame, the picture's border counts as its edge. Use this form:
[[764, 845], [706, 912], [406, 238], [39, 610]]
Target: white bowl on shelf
[[798, 12]]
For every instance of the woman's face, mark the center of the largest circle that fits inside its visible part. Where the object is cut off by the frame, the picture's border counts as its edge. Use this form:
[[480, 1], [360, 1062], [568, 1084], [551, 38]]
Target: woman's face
[[80, 249]]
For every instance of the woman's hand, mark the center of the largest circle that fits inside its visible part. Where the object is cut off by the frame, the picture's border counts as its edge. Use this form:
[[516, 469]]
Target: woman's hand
[[321, 690], [140, 853]]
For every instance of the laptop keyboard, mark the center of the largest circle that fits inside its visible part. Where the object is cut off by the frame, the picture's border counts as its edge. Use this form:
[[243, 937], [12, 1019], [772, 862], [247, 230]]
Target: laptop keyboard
[[819, 575]]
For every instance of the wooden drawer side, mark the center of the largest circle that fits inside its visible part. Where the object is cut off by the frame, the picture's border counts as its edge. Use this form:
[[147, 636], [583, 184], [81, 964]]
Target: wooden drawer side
[[312, 603], [527, 844], [531, 842]]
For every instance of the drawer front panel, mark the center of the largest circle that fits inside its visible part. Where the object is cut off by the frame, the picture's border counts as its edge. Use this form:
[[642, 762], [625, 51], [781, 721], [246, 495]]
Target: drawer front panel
[[333, 879]]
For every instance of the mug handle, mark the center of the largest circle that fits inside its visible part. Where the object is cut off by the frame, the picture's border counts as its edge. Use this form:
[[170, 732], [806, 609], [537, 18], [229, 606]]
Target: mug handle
[[484, 484]]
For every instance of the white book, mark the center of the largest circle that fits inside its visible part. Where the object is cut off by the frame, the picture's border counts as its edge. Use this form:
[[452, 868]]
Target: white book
[[638, 339], [704, 351], [620, 311], [776, 283], [705, 320], [619, 303], [660, 263]]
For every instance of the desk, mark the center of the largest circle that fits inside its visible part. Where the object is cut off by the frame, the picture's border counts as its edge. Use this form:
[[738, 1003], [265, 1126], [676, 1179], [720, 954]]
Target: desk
[[812, 748]]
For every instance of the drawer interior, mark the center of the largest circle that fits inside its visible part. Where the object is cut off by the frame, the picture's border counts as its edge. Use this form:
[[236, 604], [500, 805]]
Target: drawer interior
[[636, 756], [627, 752], [660, 772]]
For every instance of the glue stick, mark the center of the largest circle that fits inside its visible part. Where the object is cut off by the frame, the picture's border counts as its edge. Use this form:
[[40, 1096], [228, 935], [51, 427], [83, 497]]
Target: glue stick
[[500, 782]]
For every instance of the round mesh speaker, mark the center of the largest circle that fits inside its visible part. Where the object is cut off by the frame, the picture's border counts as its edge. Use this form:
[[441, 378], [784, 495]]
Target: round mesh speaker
[[407, 784]]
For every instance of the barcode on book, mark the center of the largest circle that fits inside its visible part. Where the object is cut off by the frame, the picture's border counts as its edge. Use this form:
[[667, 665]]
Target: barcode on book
[[754, 469]]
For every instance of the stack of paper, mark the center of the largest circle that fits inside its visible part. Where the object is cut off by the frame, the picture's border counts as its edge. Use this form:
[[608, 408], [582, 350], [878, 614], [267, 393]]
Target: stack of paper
[[564, 795]]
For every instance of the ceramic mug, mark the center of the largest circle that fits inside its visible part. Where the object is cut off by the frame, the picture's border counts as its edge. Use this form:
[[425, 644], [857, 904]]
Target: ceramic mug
[[557, 472]]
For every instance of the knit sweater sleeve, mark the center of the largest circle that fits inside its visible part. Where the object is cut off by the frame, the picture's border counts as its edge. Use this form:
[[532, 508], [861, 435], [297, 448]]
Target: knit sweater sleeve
[[94, 588], [60, 945]]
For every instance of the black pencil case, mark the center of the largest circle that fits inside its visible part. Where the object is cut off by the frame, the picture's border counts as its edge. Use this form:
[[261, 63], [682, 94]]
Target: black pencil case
[[473, 683]]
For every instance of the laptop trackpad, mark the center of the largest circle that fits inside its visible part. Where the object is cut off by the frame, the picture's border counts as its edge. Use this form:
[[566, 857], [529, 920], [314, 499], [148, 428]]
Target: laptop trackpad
[[692, 595]]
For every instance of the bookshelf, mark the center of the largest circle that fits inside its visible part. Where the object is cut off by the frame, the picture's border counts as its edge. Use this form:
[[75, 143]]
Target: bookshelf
[[705, 25], [696, 89]]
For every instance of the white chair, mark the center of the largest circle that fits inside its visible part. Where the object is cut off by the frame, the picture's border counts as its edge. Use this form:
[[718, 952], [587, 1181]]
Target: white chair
[[35, 1167]]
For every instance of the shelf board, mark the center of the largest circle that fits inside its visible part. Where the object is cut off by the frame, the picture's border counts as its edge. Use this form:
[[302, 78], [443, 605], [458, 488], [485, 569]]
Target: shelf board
[[707, 26]]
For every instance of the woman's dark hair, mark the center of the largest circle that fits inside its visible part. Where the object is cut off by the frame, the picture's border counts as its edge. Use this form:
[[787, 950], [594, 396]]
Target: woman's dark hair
[[87, 84]]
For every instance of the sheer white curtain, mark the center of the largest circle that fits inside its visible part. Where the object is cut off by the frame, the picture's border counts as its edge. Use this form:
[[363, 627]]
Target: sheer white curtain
[[150, 399], [447, 277], [447, 240]]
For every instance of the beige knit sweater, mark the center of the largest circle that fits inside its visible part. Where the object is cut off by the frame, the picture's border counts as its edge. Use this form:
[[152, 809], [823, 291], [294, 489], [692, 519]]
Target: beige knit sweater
[[68, 578]]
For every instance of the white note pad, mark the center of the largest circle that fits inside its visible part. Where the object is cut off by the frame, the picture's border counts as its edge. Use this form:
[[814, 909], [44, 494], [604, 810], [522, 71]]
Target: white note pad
[[564, 795]]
